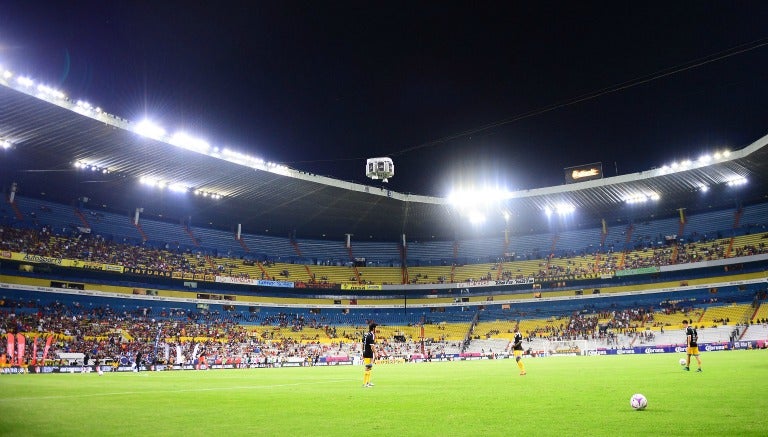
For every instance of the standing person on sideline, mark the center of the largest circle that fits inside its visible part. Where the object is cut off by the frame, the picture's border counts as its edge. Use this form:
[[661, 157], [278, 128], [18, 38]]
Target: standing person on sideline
[[138, 361], [517, 350], [369, 353], [692, 345]]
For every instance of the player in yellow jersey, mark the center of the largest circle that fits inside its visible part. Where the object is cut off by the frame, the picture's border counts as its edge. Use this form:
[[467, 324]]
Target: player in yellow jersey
[[517, 350], [369, 353]]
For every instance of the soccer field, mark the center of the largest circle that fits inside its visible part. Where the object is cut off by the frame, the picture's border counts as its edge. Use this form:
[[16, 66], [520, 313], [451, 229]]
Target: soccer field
[[563, 396]]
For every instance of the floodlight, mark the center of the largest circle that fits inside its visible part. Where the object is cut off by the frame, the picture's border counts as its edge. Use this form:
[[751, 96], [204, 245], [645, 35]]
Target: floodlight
[[183, 139], [149, 129], [642, 198], [7, 74], [565, 209], [736, 181], [5, 144], [705, 159], [146, 180], [717, 155], [25, 81], [178, 188]]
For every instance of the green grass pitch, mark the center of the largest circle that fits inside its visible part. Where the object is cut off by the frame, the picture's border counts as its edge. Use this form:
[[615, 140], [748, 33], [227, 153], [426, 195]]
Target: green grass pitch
[[560, 396]]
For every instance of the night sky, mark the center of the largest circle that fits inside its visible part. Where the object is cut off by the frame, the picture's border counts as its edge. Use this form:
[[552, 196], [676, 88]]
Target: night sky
[[320, 86]]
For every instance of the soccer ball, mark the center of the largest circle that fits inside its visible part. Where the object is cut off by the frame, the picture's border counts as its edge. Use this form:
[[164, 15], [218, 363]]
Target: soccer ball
[[682, 361], [638, 401], [101, 372]]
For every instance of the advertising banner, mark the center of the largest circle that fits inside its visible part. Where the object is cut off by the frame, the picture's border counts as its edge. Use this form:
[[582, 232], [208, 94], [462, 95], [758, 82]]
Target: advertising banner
[[361, 287]]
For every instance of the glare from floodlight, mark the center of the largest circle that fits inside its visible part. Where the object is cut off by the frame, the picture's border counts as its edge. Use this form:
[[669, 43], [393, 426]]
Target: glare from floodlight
[[547, 211], [641, 198], [727, 153], [48, 92], [25, 81], [705, 159], [178, 188], [736, 181], [7, 74], [704, 188], [476, 218], [565, 209], [5, 144], [482, 197], [146, 180], [183, 139], [149, 129]]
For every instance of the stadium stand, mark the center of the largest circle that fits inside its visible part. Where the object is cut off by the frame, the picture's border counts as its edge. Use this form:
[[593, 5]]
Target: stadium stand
[[120, 327]]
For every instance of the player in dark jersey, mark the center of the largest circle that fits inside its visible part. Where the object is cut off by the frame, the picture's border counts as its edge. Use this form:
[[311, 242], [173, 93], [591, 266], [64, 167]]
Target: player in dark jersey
[[517, 350], [369, 353], [692, 345]]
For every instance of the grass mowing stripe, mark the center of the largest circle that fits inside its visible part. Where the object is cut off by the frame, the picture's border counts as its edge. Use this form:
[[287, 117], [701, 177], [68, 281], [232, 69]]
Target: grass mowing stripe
[[166, 391]]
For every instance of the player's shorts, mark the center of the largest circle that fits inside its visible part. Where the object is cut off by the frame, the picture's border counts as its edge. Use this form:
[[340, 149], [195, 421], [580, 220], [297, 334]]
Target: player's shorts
[[368, 362], [517, 353], [694, 350]]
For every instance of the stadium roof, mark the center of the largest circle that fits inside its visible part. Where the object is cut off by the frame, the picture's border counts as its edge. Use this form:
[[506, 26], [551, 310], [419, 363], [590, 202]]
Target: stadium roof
[[67, 151]]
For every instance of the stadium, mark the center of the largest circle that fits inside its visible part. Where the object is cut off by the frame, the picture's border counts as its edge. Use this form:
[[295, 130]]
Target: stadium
[[134, 253]]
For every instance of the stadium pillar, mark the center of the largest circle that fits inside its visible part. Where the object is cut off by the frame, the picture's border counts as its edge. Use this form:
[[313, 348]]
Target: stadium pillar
[[348, 242], [13, 192], [239, 230], [136, 215]]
